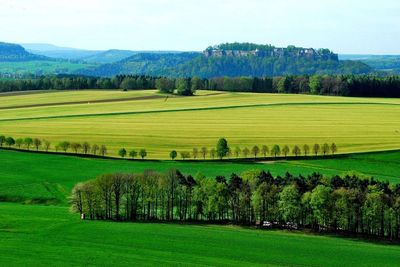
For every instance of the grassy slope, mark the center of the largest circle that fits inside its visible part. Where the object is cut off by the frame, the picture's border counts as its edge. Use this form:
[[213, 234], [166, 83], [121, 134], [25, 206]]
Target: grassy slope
[[50, 236], [183, 123], [29, 177]]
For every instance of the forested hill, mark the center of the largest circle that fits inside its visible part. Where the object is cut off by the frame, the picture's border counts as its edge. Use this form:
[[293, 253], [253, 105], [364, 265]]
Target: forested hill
[[16, 53], [237, 59]]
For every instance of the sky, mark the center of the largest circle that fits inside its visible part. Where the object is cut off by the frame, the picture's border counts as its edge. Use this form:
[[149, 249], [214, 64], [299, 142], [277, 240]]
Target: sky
[[345, 26]]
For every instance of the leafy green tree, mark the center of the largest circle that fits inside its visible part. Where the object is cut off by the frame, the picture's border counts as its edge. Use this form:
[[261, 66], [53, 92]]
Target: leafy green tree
[[264, 150], [276, 150], [285, 150], [95, 148], [173, 154], [185, 155], [296, 150], [103, 150], [325, 149], [222, 148], [28, 142], [37, 143], [237, 152], [334, 148], [212, 153], [64, 146], [183, 87], [85, 148], [76, 147], [195, 153], [47, 145], [204, 152], [197, 84], [255, 150], [2, 140], [10, 141], [165, 85], [246, 152], [306, 149], [316, 149], [289, 203], [122, 152], [143, 153], [315, 85], [320, 202], [133, 154], [19, 142]]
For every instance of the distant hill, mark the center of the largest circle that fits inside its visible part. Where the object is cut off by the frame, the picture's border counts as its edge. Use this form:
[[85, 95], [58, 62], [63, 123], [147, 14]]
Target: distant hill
[[156, 64], [384, 63], [234, 60], [230, 59], [16, 53], [109, 56]]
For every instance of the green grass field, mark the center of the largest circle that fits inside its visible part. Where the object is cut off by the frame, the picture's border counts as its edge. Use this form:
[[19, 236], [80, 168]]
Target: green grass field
[[145, 119], [45, 233], [51, 236], [45, 178]]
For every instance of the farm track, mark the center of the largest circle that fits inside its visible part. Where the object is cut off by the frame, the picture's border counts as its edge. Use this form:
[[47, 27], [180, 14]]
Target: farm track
[[190, 109]]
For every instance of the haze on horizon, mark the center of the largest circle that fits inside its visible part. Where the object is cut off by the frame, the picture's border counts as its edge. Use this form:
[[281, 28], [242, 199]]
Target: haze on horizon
[[346, 27]]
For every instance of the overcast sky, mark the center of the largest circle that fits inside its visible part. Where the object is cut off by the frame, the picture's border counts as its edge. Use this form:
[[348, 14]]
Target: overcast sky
[[345, 26]]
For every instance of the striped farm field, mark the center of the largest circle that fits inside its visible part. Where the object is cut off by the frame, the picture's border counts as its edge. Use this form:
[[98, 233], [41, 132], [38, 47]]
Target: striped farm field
[[158, 123]]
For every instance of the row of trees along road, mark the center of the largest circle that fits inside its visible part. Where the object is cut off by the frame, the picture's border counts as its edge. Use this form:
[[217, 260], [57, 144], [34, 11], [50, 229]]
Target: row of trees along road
[[338, 85], [349, 204], [223, 150]]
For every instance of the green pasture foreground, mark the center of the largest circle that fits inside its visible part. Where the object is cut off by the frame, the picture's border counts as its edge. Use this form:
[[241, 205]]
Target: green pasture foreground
[[51, 236], [160, 123], [48, 178]]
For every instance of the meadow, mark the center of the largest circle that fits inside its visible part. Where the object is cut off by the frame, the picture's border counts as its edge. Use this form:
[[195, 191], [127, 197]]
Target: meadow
[[27, 177], [146, 119], [51, 236]]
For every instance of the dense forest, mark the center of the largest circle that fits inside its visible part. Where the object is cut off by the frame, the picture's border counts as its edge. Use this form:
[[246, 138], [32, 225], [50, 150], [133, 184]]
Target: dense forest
[[348, 204], [337, 85], [196, 64]]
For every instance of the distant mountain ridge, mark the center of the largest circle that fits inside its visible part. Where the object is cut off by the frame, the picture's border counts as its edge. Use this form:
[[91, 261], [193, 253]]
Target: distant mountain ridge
[[229, 59], [237, 59], [16, 53]]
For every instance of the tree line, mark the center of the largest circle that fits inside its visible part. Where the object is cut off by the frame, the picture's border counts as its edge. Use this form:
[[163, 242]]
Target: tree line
[[337, 85], [264, 151], [37, 144], [348, 204]]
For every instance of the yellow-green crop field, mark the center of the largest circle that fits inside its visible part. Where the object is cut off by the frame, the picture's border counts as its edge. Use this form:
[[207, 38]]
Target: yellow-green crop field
[[146, 119]]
